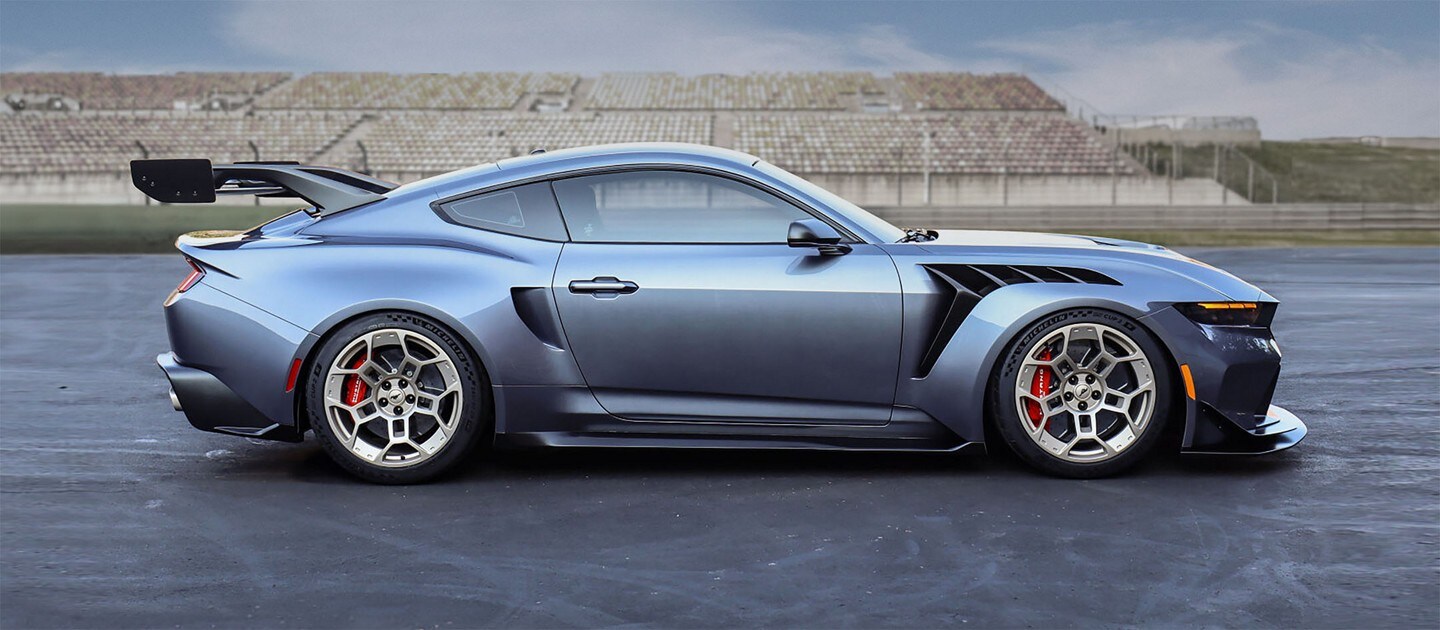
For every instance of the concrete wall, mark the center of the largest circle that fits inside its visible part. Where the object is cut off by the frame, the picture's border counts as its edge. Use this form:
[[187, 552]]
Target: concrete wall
[[1021, 190], [1432, 144], [1183, 137], [88, 188], [1261, 217], [863, 189]]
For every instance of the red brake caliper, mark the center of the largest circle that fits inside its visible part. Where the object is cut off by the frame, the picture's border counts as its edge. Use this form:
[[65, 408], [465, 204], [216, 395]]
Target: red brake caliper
[[355, 387], [1040, 387]]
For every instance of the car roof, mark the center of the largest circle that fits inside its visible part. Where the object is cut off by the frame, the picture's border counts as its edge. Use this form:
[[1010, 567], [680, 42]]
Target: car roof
[[680, 151], [559, 161]]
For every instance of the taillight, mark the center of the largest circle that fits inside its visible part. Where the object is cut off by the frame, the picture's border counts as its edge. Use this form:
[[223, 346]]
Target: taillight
[[196, 273]]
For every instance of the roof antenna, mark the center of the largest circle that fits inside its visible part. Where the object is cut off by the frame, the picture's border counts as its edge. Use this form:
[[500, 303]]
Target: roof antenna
[[538, 151]]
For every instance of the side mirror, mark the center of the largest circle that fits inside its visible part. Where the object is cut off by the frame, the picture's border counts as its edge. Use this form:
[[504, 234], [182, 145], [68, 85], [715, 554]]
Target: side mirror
[[816, 233]]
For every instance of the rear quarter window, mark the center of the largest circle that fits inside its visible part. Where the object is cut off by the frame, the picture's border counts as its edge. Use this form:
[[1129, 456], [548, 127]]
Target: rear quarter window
[[528, 211]]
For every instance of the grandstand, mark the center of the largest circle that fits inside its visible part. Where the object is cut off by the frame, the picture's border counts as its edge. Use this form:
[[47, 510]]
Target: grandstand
[[380, 91], [965, 91], [789, 91], [431, 142], [105, 144], [908, 139], [95, 91]]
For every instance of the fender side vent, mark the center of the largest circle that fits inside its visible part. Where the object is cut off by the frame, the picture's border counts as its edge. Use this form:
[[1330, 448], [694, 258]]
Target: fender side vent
[[963, 286]]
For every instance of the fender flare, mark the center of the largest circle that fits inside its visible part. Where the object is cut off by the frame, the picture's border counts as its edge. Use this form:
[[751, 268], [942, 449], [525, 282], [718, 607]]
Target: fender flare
[[955, 390], [306, 351]]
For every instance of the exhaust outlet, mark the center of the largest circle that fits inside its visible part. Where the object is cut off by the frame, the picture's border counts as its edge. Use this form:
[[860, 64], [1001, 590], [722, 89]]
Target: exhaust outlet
[[175, 401]]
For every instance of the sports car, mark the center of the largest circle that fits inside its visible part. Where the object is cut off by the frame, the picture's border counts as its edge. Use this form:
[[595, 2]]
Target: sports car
[[671, 295]]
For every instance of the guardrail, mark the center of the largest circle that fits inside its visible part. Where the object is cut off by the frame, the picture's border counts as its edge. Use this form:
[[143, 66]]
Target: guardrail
[[1267, 217]]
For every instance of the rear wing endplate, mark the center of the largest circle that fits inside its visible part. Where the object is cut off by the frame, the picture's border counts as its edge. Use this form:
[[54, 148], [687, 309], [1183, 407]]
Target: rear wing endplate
[[330, 190]]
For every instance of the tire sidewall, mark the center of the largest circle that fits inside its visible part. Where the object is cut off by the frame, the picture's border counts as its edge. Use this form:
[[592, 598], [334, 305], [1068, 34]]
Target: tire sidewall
[[1006, 417], [474, 418]]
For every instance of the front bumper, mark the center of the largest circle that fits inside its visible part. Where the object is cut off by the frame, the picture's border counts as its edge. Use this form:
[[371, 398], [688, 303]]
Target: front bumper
[[211, 406], [1234, 372], [1276, 431]]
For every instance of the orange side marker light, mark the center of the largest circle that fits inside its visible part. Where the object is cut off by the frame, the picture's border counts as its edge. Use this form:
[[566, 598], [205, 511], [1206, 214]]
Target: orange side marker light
[[1189, 381]]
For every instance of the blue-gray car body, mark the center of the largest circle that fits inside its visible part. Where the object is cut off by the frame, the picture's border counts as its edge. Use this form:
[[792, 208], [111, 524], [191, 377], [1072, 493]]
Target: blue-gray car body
[[760, 345]]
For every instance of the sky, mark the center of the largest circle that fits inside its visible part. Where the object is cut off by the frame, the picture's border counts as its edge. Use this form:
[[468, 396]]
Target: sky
[[1304, 69]]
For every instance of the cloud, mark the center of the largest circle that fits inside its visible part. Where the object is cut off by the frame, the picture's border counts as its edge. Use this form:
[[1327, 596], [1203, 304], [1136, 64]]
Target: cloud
[[585, 37], [1296, 83]]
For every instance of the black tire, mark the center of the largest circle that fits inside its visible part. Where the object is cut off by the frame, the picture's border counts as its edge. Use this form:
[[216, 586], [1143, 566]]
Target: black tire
[[475, 414], [1006, 416]]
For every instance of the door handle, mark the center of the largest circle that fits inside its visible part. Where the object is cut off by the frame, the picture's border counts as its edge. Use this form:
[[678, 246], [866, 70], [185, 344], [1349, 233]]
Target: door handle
[[604, 284]]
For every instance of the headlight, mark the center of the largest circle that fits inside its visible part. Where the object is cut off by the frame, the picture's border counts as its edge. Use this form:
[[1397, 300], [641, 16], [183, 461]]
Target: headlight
[[1228, 313]]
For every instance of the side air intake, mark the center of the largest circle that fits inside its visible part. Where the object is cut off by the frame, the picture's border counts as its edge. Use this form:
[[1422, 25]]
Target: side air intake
[[966, 285]]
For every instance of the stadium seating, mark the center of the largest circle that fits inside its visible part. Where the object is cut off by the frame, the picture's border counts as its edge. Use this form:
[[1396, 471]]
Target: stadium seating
[[442, 141], [970, 144], [813, 122], [92, 144], [961, 91], [373, 90], [138, 91], [801, 90]]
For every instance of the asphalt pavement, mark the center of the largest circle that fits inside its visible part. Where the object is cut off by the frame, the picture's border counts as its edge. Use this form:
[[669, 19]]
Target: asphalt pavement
[[115, 513]]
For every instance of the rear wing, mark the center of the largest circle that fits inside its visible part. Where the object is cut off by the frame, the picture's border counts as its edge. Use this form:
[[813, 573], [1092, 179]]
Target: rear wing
[[330, 190]]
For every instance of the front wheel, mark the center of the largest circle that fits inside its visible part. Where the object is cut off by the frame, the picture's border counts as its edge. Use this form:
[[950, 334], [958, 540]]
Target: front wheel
[[395, 398], [1083, 393]]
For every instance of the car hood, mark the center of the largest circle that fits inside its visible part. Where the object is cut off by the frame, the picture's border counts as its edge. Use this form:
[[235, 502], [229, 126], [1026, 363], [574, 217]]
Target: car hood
[[1107, 254], [995, 238]]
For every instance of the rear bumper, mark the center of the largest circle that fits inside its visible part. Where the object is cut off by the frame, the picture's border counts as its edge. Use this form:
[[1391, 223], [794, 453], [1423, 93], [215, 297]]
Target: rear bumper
[[211, 406]]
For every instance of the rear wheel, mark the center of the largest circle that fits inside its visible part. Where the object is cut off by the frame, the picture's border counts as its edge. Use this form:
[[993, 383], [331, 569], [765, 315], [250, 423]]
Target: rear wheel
[[1084, 393], [395, 398]]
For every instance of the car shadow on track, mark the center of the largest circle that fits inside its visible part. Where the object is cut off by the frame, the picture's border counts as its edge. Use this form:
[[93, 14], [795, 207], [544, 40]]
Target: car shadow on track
[[308, 463]]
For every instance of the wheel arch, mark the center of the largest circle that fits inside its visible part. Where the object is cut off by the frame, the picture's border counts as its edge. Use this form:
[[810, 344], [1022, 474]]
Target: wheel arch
[[327, 328], [955, 391], [992, 371]]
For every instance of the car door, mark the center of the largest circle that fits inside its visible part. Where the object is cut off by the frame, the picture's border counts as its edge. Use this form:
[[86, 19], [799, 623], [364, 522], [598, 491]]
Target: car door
[[682, 301]]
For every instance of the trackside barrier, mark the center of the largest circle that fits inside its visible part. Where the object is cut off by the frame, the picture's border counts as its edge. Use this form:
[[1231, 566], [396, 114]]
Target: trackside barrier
[[1266, 217]]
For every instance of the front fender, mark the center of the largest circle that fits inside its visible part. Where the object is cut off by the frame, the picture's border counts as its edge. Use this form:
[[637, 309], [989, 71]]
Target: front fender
[[954, 390]]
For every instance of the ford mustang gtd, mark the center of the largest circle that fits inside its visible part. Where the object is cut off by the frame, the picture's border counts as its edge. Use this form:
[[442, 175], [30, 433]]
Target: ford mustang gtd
[[667, 295]]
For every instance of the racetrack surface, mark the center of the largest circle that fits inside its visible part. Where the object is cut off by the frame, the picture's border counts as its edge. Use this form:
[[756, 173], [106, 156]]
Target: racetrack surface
[[116, 513]]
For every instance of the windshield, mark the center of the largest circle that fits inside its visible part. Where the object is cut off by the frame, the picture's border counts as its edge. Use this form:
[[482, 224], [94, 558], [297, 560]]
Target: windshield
[[875, 225]]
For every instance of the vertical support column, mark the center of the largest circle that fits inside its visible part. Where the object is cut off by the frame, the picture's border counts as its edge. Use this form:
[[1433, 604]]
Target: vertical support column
[[929, 148], [1220, 176], [1005, 174], [1115, 170], [1170, 173], [899, 153], [1250, 183]]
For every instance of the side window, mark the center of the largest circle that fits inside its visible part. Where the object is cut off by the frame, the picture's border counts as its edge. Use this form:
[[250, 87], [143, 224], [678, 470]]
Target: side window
[[527, 210], [671, 207]]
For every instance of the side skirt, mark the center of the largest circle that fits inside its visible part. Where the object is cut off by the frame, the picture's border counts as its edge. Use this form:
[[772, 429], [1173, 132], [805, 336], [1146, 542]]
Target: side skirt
[[571, 417]]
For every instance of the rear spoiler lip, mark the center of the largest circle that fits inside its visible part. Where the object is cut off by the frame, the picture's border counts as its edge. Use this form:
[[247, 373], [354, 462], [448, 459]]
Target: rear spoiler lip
[[328, 189]]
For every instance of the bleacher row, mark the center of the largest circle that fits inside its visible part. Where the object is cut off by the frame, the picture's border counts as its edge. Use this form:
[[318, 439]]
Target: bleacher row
[[816, 91], [432, 142], [808, 90], [482, 90], [138, 91], [855, 143], [106, 144]]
